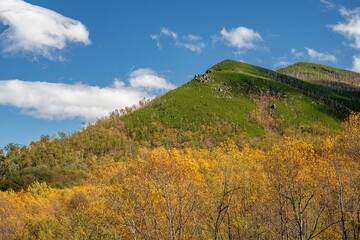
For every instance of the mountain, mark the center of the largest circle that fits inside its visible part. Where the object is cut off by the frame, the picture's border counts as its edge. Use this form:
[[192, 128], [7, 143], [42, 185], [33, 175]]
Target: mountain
[[253, 98], [324, 75], [231, 101]]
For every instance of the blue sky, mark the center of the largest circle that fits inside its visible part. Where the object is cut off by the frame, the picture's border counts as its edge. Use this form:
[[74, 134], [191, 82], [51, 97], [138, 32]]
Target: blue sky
[[63, 63]]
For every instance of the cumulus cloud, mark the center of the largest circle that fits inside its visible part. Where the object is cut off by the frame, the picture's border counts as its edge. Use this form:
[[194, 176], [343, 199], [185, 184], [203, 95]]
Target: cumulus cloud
[[351, 27], [241, 38], [38, 31], [190, 42], [356, 64], [147, 78], [62, 101], [319, 56]]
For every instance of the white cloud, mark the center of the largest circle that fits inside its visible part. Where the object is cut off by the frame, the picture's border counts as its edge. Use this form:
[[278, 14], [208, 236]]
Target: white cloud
[[329, 4], [296, 54], [280, 62], [62, 101], [349, 12], [37, 30], [169, 33], [156, 38], [118, 83], [319, 56], [241, 38], [356, 64], [192, 46], [351, 28], [190, 42], [147, 78], [192, 37]]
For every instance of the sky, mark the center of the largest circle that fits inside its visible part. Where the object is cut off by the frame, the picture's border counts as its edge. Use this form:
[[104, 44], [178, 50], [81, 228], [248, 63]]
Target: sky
[[67, 63]]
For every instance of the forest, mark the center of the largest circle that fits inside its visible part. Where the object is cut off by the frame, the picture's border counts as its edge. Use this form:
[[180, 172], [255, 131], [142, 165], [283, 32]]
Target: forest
[[297, 188]]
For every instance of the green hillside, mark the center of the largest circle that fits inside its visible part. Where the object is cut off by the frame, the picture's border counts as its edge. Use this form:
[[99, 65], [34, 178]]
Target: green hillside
[[231, 101], [238, 93], [322, 74]]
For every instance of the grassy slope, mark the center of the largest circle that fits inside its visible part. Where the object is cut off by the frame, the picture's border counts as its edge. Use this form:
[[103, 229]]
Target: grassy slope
[[321, 73], [201, 103], [195, 104]]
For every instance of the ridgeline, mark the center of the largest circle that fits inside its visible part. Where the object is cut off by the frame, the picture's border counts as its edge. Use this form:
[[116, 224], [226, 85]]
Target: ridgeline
[[231, 101]]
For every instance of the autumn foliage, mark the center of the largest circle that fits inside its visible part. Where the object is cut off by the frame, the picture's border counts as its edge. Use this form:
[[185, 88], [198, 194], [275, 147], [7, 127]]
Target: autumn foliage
[[294, 190]]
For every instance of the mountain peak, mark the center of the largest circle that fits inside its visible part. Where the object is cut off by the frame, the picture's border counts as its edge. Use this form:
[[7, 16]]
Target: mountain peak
[[232, 65]]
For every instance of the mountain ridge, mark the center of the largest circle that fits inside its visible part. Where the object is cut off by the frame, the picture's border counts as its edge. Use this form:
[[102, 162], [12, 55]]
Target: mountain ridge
[[322, 74], [231, 101], [229, 79]]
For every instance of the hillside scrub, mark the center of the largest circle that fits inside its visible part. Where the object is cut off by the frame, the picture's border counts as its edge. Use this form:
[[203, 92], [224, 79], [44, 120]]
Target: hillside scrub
[[293, 190]]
